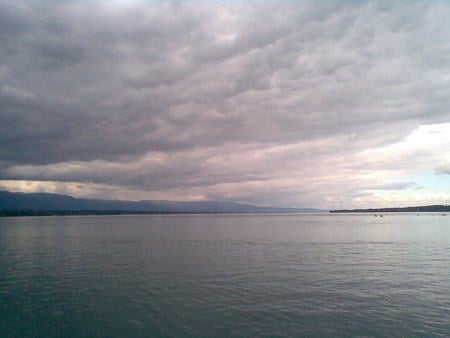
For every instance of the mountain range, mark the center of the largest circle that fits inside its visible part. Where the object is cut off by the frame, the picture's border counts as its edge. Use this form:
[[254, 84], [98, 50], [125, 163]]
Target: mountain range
[[64, 204]]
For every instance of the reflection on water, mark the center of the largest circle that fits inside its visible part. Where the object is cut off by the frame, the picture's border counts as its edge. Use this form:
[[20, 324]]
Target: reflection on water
[[225, 275]]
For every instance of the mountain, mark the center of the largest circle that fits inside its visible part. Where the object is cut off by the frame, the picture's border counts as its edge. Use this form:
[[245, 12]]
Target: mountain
[[64, 204]]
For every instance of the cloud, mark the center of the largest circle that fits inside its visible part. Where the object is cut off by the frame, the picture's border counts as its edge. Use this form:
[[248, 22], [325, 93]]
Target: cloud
[[395, 186], [291, 103], [443, 169]]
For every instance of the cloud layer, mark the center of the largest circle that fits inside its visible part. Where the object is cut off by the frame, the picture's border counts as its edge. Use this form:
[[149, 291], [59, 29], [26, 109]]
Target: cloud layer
[[292, 103]]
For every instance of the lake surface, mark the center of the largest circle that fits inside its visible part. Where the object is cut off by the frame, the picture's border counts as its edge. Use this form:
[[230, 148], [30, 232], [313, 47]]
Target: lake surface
[[225, 276]]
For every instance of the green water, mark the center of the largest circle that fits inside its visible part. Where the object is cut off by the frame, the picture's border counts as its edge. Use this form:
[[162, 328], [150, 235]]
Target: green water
[[225, 276]]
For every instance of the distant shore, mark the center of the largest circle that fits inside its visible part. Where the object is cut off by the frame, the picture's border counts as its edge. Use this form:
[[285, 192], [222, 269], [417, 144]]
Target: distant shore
[[427, 208], [28, 212]]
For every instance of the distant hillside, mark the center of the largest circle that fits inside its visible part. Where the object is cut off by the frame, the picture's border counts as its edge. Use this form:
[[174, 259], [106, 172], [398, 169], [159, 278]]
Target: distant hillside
[[12, 204], [427, 208]]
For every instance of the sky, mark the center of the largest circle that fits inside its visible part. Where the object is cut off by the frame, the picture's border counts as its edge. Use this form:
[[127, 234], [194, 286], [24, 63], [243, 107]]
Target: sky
[[327, 104]]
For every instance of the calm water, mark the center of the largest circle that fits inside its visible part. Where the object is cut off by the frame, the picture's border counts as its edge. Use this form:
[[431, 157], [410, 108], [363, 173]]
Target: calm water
[[225, 276]]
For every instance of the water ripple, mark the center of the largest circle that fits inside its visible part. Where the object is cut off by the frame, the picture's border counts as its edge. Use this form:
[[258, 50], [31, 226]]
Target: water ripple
[[224, 276]]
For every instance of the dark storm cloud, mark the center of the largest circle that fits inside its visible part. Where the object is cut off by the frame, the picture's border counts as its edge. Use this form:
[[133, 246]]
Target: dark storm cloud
[[161, 95]]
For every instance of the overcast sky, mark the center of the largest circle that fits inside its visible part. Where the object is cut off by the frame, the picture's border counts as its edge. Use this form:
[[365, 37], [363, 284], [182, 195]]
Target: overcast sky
[[329, 104]]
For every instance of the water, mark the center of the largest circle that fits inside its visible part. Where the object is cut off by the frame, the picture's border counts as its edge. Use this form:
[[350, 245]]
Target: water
[[225, 276]]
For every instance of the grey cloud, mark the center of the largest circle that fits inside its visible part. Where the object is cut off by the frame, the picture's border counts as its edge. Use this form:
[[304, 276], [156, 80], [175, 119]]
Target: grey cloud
[[107, 86], [395, 186], [285, 174], [443, 169]]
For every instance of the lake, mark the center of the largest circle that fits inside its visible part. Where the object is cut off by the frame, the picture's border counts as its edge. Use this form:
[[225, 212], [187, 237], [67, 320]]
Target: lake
[[342, 275]]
